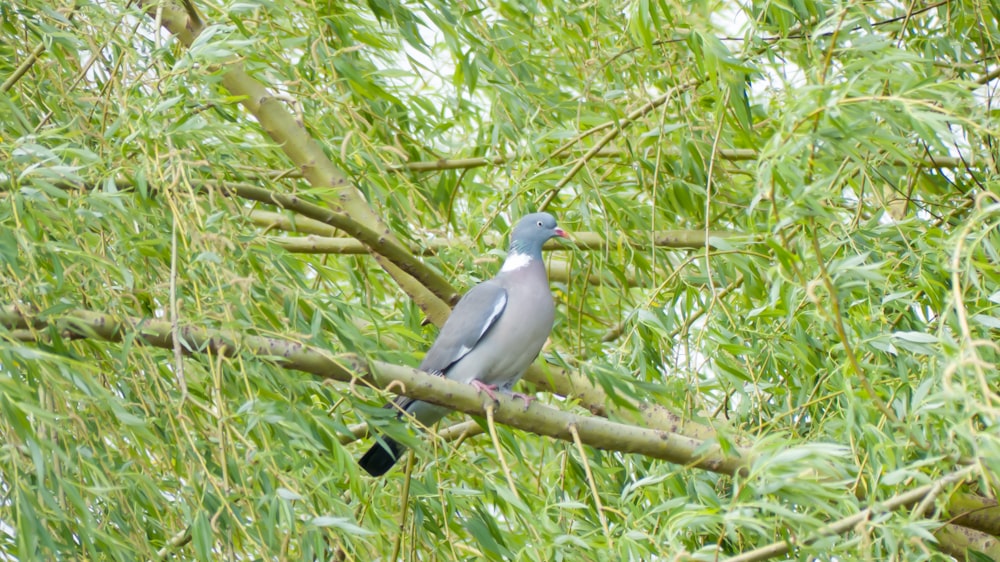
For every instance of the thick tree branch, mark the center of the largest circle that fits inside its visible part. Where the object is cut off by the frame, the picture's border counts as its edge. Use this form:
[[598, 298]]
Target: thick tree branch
[[537, 418], [975, 511], [958, 541], [307, 154]]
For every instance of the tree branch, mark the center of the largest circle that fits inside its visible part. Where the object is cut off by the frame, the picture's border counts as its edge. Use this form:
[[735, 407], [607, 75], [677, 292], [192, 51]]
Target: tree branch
[[589, 241], [377, 241], [728, 154], [975, 511], [536, 418], [307, 154], [847, 524], [959, 541]]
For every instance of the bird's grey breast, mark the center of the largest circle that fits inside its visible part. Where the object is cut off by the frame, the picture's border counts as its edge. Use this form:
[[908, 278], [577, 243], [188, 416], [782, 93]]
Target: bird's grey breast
[[511, 345]]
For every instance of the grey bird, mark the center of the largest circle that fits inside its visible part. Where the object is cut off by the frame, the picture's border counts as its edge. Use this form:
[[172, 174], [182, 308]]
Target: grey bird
[[492, 336]]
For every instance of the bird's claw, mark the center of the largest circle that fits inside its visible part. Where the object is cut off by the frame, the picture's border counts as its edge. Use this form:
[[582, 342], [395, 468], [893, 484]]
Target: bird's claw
[[489, 389], [528, 399]]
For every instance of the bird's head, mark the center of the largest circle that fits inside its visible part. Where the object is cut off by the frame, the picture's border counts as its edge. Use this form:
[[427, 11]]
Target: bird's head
[[534, 230]]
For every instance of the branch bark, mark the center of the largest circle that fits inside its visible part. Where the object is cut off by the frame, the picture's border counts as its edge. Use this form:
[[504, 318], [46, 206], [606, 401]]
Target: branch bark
[[975, 511], [350, 368], [375, 242], [588, 241], [308, 156], [958, 541]]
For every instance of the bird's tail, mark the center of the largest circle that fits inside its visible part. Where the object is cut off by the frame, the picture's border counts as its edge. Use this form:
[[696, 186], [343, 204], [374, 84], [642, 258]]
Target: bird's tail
[[380, 458]]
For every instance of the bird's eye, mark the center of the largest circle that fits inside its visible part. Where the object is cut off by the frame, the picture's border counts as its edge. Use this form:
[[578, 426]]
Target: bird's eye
[[539, 223]]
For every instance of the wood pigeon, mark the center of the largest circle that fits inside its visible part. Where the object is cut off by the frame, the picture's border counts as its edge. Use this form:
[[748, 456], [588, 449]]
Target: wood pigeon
[[492, 336]]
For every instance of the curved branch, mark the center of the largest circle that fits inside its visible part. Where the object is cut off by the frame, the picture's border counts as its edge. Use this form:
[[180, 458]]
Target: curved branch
[[959, 542], [536, 418], [379, 242], [306, 153], [975, 511]]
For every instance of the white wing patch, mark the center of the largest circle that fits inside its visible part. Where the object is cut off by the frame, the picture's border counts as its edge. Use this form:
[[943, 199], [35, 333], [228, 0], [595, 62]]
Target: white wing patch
[[474, 315], [514, 262], [497, 309]]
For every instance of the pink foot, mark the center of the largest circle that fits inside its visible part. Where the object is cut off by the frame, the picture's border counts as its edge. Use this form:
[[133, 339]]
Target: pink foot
[[489, 389], [528, 399]]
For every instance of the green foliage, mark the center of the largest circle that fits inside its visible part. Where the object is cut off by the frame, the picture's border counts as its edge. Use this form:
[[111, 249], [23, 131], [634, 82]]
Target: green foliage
[[845, 330]]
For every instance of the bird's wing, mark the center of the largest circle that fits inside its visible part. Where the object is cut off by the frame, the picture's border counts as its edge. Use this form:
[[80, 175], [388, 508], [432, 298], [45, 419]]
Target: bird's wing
[[473, 316]]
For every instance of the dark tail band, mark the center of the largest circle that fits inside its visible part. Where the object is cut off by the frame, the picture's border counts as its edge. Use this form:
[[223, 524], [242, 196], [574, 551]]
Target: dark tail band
[[380, 458]]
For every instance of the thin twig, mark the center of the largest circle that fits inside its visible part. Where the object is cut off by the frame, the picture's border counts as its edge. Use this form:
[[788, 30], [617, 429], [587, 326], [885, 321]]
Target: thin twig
[[397, 544], [848, 523], [178, 540], [838, 325], [496, 445], [614, 132], [593, 485], [175, 313], [990, 76], [25, 65]]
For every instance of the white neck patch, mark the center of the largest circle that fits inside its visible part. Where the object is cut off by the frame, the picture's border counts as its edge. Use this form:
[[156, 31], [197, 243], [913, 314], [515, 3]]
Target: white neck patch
[[515, 261]]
